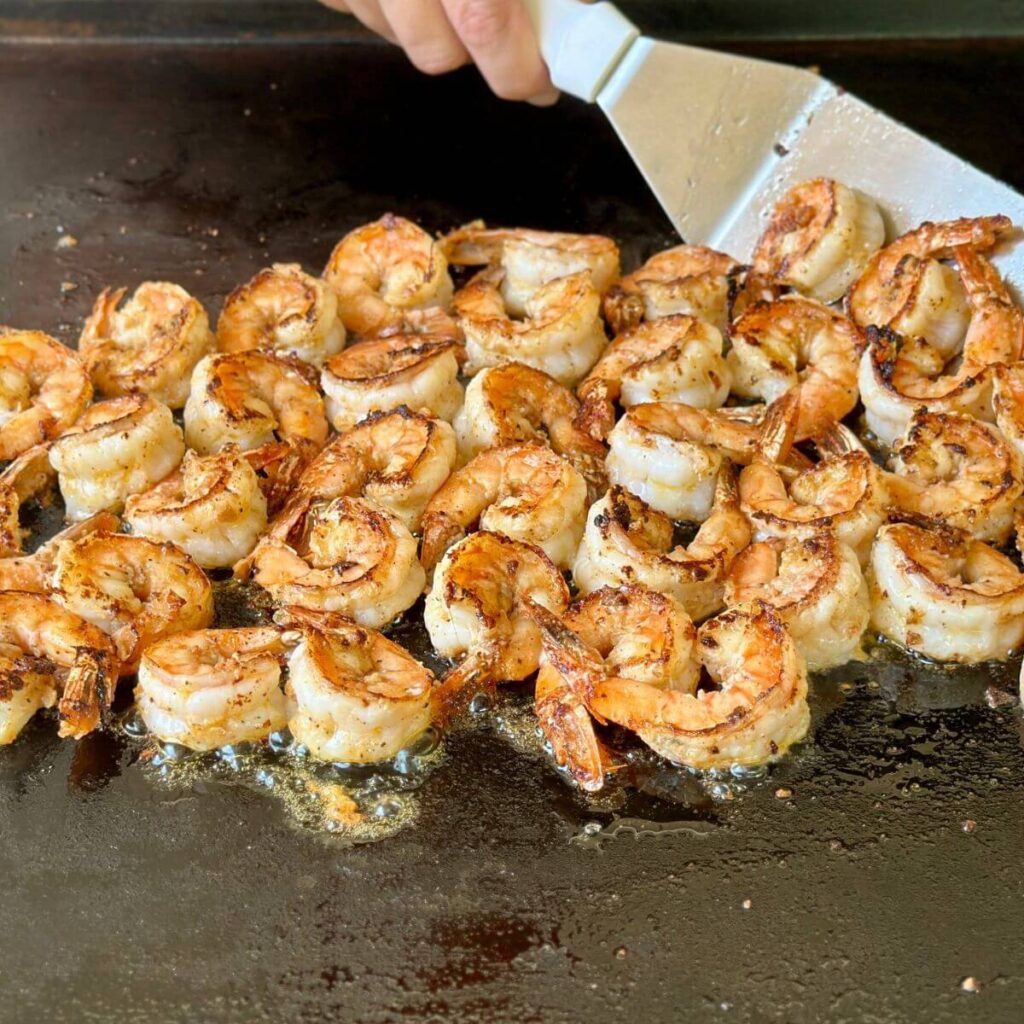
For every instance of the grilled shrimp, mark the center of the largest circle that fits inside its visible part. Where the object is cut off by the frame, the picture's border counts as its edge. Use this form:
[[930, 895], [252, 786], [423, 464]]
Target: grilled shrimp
[[560, 331], [945, 595], [358, 697], [816, 587], [1008, 403], [382, 270], [136, 590], [626, 541], [532, 259], [151, 344], [349, 555], [477, 610], [33, 572], [29, 476], [282, 310], [46, 650], [211, 688], [797, 344], [819, 238], [251, 399], [44, 388], [522, 491], [117, 448], [212, 508], [672, 359]]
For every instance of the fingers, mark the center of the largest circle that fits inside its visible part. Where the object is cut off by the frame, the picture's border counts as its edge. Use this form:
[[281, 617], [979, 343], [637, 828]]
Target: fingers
[[423, 30]]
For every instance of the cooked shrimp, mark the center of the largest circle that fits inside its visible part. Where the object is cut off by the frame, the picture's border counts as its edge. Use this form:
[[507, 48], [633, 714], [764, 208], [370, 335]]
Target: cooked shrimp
[[816, 587], [944, 595], [279, 466], [560, 331], [531, 259], [960, 472], [349, 555], [797, 344], [33, 572], [1008, 403], [212, 508], [134, 589], [45, 651], [214, 687], [151, 344], [522, 491], [44, 388], [626, 541], [117, 448], [477, 611], [250, 399], [689, 279], [381, 270], [819, 238], [283, 310], [29, 476], [672, 359], [358, 697]]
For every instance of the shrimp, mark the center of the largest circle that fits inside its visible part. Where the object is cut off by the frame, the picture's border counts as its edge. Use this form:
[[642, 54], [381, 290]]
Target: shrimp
[[211, 688], [560, 331], [955, 470], [941, 593], [212, 508], [282, 310], [817, 589], [151, 344], [626, 541], [477, 611], [384, 269], [797, 344], [251, 399], [349, 555], [117, 448], [673, 359], [820, 236], [29, 476], [136, 590], [514, 402], [531, 259], [689, 279], [44, 388], [358, 698], [33, 572], [46, 650], [522, 491], [1008, 403]]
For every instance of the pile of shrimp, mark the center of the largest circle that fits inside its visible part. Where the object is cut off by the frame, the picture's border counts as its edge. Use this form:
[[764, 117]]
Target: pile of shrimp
[[500, 431]]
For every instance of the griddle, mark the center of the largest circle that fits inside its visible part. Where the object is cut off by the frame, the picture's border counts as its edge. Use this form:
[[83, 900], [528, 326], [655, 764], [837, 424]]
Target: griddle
[[862, 879]]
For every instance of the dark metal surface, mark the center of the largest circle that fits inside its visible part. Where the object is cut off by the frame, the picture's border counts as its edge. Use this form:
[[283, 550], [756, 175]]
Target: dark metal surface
[[509, 899]]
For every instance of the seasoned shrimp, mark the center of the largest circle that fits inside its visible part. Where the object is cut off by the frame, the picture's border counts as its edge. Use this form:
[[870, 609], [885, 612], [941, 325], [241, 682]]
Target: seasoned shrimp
[[134, 589], [522, 491], [251, 399], [384, 269], [797, 344], [283, 310], [349, 555], [626, 541], [151, 344], [816, 587], [531, 259], [212, 508], [29, 476], [358, 698], [117, 448], [1008, 403], [672, 359], [477, 611], [212, 688], [33, 572], [560, 331], [44, 388], [45, 651], [819, 238], [944, 595]]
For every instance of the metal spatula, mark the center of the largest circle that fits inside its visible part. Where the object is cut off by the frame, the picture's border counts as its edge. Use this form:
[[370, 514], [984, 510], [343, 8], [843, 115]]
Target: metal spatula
[[719, 138]]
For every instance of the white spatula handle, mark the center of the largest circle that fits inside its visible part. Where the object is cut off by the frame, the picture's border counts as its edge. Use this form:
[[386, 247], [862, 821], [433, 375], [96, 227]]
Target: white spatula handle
[[582, 43]]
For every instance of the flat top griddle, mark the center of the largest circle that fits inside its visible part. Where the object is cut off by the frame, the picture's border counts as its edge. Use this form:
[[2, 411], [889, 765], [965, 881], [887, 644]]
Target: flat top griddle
[[510, 899]]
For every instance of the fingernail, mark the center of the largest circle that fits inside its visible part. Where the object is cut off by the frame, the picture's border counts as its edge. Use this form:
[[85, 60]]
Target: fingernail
[[545, 99]]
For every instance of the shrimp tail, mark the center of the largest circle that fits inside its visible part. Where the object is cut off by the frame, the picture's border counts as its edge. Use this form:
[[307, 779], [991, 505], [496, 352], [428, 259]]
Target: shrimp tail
[[596, 416], [88, 693], [778, 431], [473, 675], [440, 532], [569, 728]]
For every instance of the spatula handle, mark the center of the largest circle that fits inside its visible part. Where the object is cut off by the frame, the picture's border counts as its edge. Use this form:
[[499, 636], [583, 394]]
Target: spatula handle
[[582, 43]]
